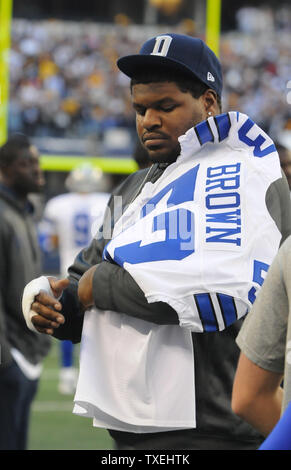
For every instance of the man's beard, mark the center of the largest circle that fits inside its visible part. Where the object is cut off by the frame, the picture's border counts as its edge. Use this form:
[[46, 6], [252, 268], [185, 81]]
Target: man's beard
[[169, 157]]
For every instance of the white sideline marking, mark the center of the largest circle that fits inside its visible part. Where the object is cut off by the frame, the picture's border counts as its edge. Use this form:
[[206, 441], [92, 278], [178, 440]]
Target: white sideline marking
[[50, 374], [48, 406]]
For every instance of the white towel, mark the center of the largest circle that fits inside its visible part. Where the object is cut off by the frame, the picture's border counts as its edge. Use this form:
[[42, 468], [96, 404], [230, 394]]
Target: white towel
[[135, 376]]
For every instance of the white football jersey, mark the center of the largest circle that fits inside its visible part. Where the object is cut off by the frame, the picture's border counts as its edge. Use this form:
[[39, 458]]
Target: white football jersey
[[193, 238], [74, 218]]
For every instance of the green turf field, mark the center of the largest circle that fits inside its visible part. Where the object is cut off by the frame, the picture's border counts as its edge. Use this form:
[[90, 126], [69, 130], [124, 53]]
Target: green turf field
[[53, 426]]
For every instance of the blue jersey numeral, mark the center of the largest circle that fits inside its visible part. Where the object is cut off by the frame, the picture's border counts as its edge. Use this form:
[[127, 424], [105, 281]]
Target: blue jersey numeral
[[257, 142], [178, 225], [180, 221], [81, 229], [259, 268]]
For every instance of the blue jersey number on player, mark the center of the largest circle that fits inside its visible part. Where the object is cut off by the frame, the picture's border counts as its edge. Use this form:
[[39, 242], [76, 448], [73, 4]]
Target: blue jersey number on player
[[177, 223], [81, 229], [259, 269], [256, 142]]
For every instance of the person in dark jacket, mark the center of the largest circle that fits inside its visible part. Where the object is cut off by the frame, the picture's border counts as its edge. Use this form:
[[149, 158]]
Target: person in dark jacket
[[22, 350], [176, 84]]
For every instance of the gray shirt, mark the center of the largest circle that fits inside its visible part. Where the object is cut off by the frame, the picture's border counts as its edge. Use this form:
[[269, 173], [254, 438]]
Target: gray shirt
[[265, 337], [19, 263]]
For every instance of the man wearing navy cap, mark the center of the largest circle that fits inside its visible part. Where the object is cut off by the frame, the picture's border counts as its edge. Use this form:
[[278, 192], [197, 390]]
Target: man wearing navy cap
[[171, 277]]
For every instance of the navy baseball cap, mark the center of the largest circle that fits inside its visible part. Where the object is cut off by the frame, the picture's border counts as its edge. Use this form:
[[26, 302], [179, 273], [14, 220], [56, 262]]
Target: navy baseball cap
[[176, 52]]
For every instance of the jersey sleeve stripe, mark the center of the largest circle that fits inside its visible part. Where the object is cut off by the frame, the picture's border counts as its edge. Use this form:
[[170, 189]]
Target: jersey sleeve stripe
[[228, 309], [223, 125], [204, 133], [217, 311], [206, 312]]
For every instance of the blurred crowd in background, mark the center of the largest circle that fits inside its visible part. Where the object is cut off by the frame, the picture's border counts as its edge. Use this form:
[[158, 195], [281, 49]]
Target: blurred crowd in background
[[64, 83]]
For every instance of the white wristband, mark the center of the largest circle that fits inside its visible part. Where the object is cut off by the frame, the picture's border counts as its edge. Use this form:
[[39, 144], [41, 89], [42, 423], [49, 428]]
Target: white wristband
[[32, 289]]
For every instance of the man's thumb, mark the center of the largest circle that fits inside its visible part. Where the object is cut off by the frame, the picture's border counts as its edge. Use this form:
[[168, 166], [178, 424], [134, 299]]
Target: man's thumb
[[58, 285]]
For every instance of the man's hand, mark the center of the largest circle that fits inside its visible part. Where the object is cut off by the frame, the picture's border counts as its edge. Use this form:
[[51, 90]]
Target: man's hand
[[85, 288], [48, 307]]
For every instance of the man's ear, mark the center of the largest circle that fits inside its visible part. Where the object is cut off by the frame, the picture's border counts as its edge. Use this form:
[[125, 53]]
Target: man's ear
[[6, 173], [211, 105]]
